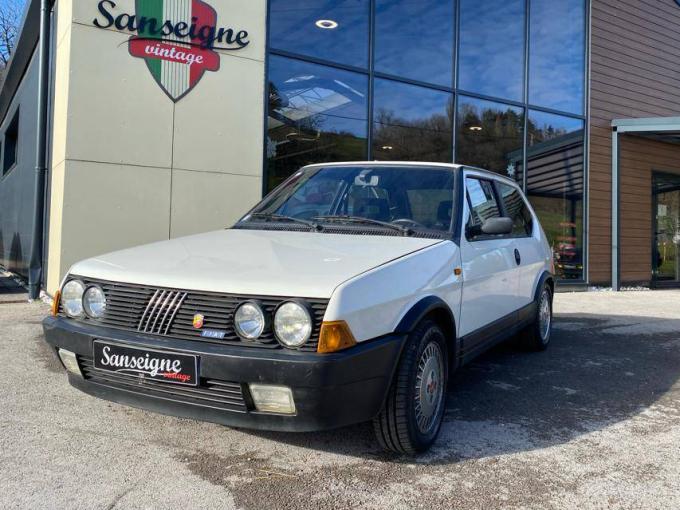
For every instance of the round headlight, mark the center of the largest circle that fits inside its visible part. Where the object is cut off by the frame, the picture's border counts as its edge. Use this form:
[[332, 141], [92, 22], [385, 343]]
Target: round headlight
[[292, 324], [72, 298], [94, 302], [249, 321]]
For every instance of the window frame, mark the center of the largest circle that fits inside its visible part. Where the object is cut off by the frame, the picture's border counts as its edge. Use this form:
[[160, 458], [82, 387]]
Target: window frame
[[497, 184]]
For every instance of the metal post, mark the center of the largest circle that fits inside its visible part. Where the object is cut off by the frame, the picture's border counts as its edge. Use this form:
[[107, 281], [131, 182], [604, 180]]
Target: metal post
[[35, 269], [615, 211]]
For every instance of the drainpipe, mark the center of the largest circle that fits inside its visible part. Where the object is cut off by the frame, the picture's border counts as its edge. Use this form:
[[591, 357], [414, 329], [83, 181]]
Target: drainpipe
[[35, 269]]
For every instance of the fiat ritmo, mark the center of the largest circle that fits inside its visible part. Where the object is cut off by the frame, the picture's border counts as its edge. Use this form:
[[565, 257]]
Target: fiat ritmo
[[349, 294]]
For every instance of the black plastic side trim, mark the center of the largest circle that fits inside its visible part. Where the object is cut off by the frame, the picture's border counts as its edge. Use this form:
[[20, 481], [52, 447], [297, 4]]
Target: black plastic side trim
[[546, 276], [420, 310]]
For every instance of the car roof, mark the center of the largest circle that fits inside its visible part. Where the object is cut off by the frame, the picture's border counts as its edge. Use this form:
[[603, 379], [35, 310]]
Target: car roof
[[418, 164]]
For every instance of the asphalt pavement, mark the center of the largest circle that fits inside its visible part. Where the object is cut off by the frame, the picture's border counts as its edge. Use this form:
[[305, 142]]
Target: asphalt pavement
[[594, 422]]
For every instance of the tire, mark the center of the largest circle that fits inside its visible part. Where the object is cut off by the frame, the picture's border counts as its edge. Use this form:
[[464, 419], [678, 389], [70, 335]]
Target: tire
[[412, 414], [536, 336]]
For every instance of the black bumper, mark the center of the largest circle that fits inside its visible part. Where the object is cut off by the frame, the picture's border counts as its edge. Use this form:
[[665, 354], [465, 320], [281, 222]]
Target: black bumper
[[330, 390]]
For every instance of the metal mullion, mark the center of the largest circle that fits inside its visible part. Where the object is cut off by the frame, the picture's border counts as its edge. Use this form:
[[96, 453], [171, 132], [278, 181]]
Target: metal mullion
[[474, 95], [525, 134], [371, 80], [411, 81], [456, 44], [319, 61], [586, 143], [556, 112]]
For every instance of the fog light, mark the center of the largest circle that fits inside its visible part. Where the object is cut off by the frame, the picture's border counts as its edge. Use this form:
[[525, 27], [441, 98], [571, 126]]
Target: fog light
[[273, 399], [70, 361]]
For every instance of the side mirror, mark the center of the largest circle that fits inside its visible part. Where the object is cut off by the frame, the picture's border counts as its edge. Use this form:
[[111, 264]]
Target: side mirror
[[497, 226], [492, 227]]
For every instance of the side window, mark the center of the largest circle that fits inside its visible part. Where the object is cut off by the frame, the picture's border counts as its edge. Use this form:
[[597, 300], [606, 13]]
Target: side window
[[482, 202], [11, 143], [516, 208]]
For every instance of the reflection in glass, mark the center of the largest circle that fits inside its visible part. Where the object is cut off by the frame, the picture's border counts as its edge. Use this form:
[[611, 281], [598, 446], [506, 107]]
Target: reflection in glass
[[492, 47], [336, 31], [555, 187], [489, 135], [414, 39], [556, 58], [315, 114], [411, 123]]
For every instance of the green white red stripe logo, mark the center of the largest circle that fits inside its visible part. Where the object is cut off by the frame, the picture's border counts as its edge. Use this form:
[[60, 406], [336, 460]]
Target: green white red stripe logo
[[176, 64]]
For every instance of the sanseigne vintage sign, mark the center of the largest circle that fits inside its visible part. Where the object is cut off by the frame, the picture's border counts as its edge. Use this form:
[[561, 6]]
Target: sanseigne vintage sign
[[177, 39]]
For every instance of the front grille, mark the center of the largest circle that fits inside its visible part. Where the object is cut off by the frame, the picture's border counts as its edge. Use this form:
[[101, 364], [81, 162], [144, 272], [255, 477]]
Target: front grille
[[163, 305], [170, 312], [222, 395]]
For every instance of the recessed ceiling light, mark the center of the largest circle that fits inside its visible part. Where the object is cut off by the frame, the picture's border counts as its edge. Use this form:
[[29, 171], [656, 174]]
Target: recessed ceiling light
[[327, 24], [475, 128], [387, 147]]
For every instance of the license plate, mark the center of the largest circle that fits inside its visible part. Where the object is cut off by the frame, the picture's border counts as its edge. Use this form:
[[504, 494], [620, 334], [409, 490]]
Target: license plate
[[162, 366]]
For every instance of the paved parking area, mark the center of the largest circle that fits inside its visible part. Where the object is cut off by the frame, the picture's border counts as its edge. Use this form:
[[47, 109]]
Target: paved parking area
[[594, 422]]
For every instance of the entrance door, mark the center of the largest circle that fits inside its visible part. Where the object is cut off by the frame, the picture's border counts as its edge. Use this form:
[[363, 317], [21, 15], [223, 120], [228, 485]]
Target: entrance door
[[666, 249]]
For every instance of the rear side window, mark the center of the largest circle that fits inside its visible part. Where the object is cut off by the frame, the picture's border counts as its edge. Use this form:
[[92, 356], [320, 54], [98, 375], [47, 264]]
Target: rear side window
[[516, 208], [482, 201]]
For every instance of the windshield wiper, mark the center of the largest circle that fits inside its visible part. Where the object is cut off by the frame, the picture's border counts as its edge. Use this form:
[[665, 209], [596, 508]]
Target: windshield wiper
[[359, 219], [280, 217]]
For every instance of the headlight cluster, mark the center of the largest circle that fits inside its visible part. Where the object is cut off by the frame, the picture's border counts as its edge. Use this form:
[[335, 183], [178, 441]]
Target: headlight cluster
[[79, 300], [292, 322]]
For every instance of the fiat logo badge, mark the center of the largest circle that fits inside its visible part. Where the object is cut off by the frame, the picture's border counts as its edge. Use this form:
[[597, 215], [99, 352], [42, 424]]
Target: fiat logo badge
[[198, 321]]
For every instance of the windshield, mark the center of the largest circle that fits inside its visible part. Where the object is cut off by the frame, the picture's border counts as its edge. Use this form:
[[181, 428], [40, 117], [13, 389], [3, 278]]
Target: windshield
[[404, 200]]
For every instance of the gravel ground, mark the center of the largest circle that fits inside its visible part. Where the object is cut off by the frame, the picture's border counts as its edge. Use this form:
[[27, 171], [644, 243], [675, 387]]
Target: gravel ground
[[594, 422]]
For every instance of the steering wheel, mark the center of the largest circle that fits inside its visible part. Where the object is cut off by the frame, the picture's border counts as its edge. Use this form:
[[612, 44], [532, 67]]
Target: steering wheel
[[408, 222]]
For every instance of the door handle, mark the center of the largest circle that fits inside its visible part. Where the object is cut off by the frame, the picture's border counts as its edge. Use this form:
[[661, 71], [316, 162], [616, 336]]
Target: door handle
[[518, 257]]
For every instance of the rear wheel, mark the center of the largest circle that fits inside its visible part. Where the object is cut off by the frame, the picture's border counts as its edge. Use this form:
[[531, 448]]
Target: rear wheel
[[536, 336], [412, 415]]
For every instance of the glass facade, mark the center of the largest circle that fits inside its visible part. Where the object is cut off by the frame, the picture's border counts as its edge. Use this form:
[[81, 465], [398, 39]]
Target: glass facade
[[488, 84]]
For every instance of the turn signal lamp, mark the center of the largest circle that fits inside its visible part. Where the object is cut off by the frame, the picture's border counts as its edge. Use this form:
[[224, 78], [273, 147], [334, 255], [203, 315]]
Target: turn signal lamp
[[335, 336], [55, 303]]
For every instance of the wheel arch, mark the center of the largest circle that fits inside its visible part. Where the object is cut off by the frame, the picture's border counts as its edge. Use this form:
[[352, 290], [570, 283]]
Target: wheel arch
[[548, 278], [437, 309]]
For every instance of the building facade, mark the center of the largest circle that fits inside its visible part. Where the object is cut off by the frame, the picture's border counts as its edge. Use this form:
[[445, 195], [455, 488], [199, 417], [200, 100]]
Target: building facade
[[171, 117]]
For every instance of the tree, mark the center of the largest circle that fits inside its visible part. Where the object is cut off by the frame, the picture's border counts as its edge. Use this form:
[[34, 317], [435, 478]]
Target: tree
[[10, 17]]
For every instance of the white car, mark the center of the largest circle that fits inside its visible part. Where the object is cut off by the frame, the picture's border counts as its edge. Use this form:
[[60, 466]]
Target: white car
[[349, 294]]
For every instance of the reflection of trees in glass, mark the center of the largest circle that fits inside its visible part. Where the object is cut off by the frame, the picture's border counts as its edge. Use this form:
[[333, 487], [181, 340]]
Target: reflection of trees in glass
[[487, 136], [427, 139]]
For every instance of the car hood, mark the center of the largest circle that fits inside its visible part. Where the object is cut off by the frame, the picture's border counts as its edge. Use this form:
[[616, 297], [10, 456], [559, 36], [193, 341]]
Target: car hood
[[252, 262]]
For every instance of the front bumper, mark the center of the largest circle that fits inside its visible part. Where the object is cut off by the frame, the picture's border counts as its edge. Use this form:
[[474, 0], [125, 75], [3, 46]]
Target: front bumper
[[330, 390]]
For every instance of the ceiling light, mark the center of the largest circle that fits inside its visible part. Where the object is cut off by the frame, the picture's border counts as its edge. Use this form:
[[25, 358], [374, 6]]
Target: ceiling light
[[327, 24], [475, 128], [387, 147]]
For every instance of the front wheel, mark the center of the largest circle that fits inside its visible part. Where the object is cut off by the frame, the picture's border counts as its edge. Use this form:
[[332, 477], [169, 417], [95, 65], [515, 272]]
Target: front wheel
[[412, 415], [536, 336]]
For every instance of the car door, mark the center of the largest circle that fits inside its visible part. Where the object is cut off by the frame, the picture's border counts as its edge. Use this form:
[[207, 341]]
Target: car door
[[490, 276], [525, 239]]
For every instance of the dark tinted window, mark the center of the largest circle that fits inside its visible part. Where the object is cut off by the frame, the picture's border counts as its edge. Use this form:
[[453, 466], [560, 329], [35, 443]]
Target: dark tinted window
[[412, 123], [11, 144], [555, 185], [336, 31], [491, 60], [414, 39], [482, 201], [556, 58], [515, 207], [316, 114], [490, 135]]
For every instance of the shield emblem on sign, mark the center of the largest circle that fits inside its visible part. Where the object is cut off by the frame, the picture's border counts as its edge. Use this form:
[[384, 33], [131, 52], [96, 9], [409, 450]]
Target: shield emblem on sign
[[176, 63]]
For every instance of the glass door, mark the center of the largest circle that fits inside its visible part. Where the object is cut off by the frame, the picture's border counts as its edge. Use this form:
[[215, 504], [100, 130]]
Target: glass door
[[666, 249]]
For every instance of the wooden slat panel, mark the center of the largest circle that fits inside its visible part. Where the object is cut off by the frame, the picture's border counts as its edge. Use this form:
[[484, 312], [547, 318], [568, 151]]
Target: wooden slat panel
[[635, 66]]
